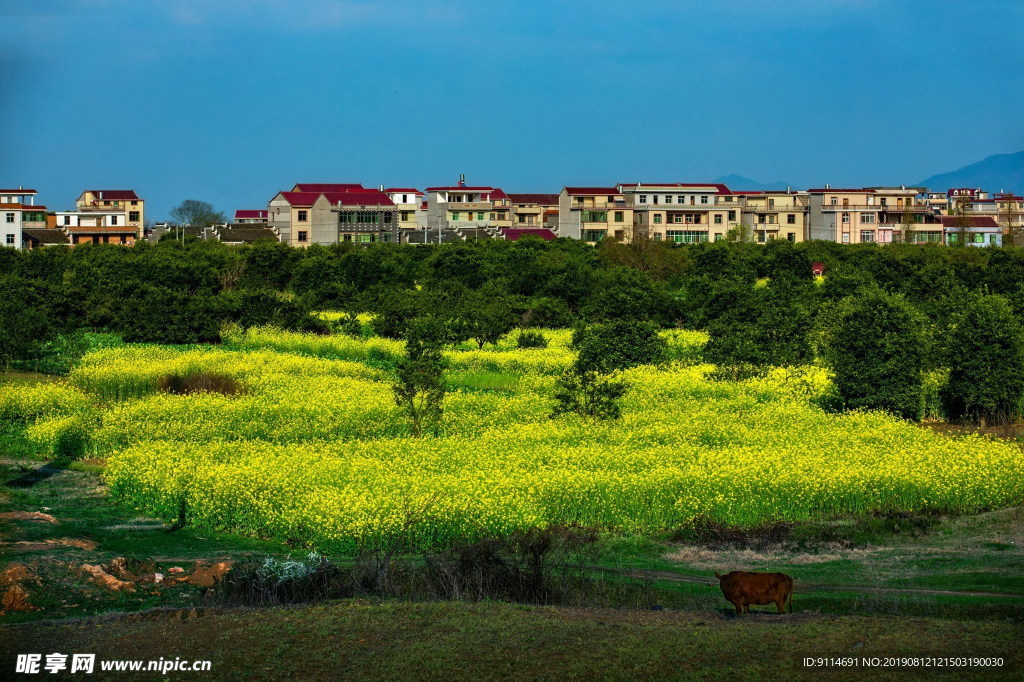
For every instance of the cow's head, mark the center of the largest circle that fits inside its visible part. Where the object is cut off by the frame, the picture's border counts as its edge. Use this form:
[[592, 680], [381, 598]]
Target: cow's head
[[719, 575]]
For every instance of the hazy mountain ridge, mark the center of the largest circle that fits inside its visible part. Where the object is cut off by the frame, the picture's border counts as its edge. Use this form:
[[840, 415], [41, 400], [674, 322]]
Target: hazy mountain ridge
[[999, 172], [738, 182]]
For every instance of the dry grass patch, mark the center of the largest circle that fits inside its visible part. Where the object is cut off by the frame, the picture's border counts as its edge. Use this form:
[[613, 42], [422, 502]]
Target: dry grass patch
[[702, 557]]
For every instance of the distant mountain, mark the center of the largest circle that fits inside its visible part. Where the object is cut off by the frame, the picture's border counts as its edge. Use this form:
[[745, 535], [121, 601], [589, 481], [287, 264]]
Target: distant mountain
[[738, 182], [997, 172]]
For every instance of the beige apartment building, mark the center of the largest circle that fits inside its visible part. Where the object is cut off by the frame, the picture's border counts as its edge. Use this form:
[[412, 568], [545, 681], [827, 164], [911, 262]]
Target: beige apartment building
[[534, 211], [682, 212], [19, 212], [409, 202], [329, 213], [871, 214], [464, 211], [775, 215], [594, 213]]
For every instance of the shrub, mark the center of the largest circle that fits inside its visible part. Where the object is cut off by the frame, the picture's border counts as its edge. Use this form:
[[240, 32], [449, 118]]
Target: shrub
[[985, 346], [531, 339], [621, 344], [876, 351], [588, 394]]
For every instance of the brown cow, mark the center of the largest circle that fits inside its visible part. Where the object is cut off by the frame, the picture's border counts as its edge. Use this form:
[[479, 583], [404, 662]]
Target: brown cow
[[743, 588]]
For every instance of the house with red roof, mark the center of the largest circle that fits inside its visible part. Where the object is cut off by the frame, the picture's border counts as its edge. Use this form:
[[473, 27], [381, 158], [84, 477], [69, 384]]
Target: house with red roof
[[593, 214], [467, 211], [246, 216], [18, 212], [531, 211], [681, 212], [126, 208], [329, 213]]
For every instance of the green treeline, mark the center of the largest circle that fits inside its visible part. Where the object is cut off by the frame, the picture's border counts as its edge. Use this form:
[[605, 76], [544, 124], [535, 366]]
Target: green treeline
[[894, 311]]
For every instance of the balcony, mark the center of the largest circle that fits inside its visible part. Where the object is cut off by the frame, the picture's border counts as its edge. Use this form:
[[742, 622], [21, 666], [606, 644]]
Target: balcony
[[468, 206], [874, 207]]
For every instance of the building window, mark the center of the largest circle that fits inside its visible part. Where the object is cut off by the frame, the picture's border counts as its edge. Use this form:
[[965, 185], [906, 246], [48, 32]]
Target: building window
[[480, 215], [10, 217], [303, 235], [10, 240], [732, 215], [834, 201], [593, 235], [594, 217], [405, 198], [133, 216], [992, 240], [686, 236], [703, 198], [718, 219], [113, 220], [303, 216], [655, 199], [867, 217], [680, 199], [867, 236], [791, 236], [620, 216], [846, 218], [135, 203], [846, 237], [67, 220], [668, 198], [791, 219], [657, 218], [385, 237], [387, 218], [455, 215], [643, 198]]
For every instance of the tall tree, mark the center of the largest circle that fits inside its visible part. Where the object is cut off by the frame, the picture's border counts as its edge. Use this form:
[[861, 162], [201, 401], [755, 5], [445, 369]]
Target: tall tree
[[907, 223], [961, 219], [1011, 219], [196, 214], [420, 387]]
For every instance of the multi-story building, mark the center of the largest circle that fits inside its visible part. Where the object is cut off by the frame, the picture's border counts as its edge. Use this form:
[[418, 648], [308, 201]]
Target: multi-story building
[[971, 230], [245, 216], [533, 211], [19, 212], [123, 205], [408, 201], [681, 212], [870, 214], [775, 215], [593, 214], [332, 213], [463, 210]]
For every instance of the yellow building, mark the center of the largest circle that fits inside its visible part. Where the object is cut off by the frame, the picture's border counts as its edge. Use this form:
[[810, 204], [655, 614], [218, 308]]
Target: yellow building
[[123, 207], [871, 214], [594, 213], [681, 212], [775, 215]]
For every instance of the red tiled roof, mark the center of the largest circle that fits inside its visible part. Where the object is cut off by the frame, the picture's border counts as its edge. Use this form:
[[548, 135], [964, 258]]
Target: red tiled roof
[[592, 190], [543, 199], [721, 189], [327, 187], [247, 213], [25, 207], [514, 233], [465, 189], [403, 190], [114, 194], [498, 194], [18, 192], [366, 198], [301, 198], [972, 221]]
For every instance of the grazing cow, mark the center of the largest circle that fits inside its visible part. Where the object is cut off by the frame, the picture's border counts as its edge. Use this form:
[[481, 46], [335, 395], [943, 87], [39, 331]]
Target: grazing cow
[[743, 588]]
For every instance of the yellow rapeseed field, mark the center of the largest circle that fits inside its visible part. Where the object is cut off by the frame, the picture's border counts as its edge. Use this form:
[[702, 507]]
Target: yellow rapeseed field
[[314, 448]]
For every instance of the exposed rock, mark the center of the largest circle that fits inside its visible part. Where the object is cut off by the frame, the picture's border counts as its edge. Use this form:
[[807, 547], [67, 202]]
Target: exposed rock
[[175, 569], [205, 575], [135, 570], [16, 599], [27, 516], [15, 573], [104, 579]]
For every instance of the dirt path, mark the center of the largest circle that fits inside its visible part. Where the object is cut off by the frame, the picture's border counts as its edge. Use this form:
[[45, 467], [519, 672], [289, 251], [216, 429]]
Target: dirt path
[[809, 587]]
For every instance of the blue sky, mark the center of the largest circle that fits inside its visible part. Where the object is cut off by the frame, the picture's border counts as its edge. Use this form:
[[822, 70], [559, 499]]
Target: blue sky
[[229, 102]]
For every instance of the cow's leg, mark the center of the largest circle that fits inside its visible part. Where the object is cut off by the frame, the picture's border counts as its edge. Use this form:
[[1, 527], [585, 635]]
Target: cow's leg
[[781, 604], [739, 608], [746, 608]]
